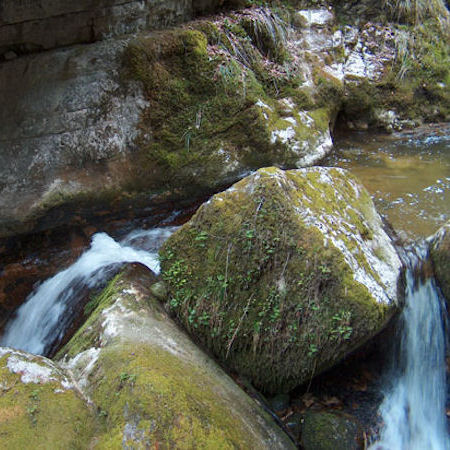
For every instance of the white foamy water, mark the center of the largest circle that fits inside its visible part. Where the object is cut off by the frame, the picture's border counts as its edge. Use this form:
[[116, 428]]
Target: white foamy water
[[43, 319], [413, 410]]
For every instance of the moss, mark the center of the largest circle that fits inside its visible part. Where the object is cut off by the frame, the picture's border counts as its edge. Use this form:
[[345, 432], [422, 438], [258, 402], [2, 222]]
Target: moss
[[261, 291], [203, 83], [168, 401], [152, 394], [330, 431], [415, 86], [41, 415]]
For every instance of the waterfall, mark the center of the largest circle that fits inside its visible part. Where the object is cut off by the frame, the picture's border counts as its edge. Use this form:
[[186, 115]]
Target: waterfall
[[413, 410], [41, 322]]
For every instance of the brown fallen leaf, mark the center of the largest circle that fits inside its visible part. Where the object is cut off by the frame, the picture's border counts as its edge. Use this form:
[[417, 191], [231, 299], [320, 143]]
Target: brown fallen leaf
[[332, 401]]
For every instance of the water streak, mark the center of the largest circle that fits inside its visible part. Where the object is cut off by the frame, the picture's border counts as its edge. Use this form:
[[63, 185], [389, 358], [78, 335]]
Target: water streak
[[48, 311], [413, 410]]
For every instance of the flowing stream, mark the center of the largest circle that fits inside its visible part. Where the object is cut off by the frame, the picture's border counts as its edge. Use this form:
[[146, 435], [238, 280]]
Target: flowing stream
[[413, 410], [41, 322]]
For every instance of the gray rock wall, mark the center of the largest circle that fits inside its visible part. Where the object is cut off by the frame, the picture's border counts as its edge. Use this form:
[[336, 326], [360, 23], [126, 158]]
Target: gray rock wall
[[36, 25]]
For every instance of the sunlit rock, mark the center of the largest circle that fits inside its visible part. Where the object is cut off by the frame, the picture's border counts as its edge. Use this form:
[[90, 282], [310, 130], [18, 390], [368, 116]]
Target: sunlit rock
[[283, 274], [152, 385]]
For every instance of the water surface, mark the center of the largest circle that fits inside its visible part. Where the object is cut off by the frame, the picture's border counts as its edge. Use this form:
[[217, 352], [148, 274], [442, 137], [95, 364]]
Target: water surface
[[408, 175]]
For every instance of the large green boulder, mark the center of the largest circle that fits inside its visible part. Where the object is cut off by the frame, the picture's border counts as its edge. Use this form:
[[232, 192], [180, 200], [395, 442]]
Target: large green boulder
[[440, 257], [283, 274], [40, 407], [152, 387]]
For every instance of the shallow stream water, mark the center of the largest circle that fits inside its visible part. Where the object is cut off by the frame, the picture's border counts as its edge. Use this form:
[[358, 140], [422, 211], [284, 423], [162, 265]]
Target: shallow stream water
[[408, 175]]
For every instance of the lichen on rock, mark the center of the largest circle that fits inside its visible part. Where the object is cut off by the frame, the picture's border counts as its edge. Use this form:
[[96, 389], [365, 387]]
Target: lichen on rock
[[40, 406], [283, 274]]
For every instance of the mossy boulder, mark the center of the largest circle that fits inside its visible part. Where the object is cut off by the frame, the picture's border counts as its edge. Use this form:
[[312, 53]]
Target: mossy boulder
[[151, 385], [213, 112], [322, 430], [440, 257], [283, 274], [40, 407]]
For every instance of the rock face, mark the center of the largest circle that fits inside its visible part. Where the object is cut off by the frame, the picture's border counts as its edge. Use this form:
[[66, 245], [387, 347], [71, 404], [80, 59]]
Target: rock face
[[181, 112], [39, 405], [283, 274], [65, 135], [152, 385], [440, 257], [36, 25]]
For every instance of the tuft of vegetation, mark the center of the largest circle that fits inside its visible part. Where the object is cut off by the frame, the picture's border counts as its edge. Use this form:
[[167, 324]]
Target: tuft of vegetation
[[416, 12]]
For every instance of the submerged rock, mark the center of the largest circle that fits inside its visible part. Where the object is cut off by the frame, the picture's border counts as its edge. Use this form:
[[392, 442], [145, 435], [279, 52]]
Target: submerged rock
[[152, 386], [283, 274], [440, 257], [39, 405]]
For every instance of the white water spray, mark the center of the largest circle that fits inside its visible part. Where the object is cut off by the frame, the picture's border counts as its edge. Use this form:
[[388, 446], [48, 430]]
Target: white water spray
[[413, 410], [47, 313]]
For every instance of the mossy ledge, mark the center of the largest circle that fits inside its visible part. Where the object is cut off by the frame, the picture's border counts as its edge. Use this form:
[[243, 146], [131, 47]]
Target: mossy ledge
[[283, 274]]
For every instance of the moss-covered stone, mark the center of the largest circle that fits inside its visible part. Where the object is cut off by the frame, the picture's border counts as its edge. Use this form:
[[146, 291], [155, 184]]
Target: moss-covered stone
[[151, 386], [283, 274], [440, 257], [39, 406], [213, 90], [330, 431]]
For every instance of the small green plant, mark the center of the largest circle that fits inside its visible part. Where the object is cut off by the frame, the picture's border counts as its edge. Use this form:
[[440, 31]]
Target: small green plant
[[341, 325], [201, 239], [127, 377], [312, 350], [33, 408]]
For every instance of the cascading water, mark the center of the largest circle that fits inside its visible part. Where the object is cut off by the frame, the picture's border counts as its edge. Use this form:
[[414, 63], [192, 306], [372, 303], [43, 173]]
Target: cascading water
[[413, 410], [47, 313]]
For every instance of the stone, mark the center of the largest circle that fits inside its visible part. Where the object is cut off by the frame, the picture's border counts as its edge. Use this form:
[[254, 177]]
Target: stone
[[283, 274], [10, 55], [279, 403], [440, 258], [330, 431], [40, 405], [152, 385]]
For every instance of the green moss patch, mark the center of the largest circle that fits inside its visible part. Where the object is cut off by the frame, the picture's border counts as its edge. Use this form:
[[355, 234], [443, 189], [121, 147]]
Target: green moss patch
[[41, 414]]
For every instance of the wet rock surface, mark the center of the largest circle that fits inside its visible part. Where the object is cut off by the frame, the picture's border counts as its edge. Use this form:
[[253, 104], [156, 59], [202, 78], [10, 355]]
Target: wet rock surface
[[440, 257]]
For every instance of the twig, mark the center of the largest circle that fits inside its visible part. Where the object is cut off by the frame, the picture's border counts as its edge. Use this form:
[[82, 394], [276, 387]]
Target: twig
[[237, 328]]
